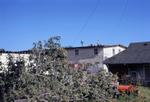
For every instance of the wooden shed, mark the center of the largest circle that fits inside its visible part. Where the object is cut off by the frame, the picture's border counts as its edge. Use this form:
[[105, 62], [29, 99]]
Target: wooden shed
[[134, 62]]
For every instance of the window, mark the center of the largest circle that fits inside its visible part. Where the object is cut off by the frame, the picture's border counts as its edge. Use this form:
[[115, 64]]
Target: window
[[95, 51], [96, 63], [134, 75], [113, 51], [119, 50], [145, 44], [76, 52], [147, 74]]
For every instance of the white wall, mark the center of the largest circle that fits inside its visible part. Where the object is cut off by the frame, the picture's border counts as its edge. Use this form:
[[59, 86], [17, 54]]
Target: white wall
[[108, 52], [4, 58], [86, 55]]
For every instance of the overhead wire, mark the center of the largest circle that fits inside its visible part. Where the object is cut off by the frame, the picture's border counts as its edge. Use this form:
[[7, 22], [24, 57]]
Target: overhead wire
[[123, 12], [89, 16]]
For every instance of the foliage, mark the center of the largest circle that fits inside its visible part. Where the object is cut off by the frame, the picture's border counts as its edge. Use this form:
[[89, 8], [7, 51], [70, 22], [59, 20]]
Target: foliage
[[95, 87], [11, 79], [48, 78]]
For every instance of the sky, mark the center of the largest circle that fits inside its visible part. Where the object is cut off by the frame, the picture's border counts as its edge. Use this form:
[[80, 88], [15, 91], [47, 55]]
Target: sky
[[23, 22]]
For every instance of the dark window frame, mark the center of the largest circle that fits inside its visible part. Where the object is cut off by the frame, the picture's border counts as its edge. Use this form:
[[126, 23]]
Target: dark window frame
[[76, 52], [113, 51], [119, 50], [95, 51]]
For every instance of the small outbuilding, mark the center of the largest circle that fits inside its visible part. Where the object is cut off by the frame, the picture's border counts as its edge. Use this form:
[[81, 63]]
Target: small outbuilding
[[133, 62]]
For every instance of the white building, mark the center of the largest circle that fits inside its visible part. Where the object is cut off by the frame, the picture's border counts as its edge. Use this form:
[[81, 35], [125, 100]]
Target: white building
[[16, 55], [92, 55]]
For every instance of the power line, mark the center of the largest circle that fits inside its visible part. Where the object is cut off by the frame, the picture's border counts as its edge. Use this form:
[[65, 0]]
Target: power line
[[89, 17], [123, 12], [120, 18]]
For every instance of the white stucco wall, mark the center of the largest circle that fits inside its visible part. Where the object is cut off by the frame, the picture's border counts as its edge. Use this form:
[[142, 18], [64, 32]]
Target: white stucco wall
[[108, 52], [86, 55], [4, 58]]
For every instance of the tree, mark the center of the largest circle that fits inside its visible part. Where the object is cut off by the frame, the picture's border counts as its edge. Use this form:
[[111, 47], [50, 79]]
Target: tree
[[11, 79], [48, 78]]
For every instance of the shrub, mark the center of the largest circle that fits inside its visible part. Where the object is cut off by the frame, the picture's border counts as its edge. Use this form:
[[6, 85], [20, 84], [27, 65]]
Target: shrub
[[48, 78]]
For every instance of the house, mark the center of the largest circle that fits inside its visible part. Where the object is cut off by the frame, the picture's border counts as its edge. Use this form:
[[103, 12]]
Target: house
[[92, 56], [134, 62]]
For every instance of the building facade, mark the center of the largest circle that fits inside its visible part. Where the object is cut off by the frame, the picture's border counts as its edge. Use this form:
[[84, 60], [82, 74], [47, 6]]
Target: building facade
[[93, 55]]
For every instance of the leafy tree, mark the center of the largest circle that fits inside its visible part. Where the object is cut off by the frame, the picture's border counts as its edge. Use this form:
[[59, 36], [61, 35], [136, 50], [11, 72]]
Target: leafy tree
[[11, 79], [48, 78]]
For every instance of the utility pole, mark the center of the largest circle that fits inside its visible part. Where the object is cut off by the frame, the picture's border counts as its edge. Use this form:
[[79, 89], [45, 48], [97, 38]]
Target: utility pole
[[82, 43]]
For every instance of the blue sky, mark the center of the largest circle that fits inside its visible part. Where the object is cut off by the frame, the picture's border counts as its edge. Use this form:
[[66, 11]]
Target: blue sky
[[23, 22]]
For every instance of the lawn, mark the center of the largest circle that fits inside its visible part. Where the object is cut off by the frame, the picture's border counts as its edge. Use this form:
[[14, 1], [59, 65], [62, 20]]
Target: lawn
[[145, 92], [144, 96]]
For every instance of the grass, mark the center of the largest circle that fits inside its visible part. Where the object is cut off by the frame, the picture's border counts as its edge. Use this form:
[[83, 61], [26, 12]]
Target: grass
[[144, 96], [145, 92]]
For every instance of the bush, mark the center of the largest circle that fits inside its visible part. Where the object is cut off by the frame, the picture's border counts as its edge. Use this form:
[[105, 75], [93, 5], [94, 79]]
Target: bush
[[48, 78]]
